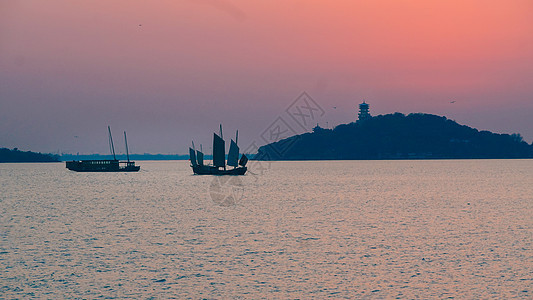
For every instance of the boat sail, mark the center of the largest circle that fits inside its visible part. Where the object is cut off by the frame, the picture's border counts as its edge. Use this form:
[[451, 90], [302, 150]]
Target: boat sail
[[219, 158], [233, 154], [105, 165], [200, 156], [219, 161], [192, 154]]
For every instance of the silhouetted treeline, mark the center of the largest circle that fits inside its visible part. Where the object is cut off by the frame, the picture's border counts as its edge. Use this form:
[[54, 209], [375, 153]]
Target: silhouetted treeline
[[15, 155], [397, 136]]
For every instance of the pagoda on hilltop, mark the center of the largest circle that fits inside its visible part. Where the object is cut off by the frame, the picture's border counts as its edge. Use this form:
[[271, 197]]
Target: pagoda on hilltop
[[364, 113]]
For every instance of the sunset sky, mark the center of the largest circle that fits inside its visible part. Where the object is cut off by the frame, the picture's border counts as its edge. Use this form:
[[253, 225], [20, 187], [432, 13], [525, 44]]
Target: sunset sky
[[169, 72]]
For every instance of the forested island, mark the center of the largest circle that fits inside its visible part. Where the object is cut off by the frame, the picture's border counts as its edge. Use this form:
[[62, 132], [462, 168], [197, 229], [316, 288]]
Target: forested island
[[398, 136], [15, 155]]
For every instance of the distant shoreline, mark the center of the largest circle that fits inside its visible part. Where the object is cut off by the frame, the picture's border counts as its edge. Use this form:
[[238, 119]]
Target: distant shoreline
[[16, 156], [146, 156], [296, 160], [301, 160]]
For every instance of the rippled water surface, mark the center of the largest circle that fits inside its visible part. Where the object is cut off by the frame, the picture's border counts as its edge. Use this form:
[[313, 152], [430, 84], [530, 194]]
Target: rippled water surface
[[355, 229]]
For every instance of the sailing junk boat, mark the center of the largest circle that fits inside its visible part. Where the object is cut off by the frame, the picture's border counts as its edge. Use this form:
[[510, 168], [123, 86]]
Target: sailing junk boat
[[105, 165], [219, 161]]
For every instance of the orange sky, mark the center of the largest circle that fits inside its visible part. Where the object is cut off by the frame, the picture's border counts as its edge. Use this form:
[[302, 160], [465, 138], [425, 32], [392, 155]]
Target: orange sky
[[170, 71]]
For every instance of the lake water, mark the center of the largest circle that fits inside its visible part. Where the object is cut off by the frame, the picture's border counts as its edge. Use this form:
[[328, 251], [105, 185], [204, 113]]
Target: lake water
[[343, 229]]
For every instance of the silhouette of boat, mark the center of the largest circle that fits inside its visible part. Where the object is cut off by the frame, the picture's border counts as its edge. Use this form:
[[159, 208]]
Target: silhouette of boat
[[105, 165], [219, 162]]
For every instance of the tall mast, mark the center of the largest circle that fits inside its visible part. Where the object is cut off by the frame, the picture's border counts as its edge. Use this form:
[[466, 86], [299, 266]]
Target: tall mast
[[111, 143], [221, 136], [127, 151], [237, 137]]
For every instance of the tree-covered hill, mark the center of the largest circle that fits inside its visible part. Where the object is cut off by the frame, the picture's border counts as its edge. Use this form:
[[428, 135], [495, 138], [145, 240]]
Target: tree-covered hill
[[16, 155], [398, 136]]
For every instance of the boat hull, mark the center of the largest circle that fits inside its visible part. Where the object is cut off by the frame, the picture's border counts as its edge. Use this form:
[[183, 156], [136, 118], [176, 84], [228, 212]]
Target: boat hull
[[210, 170], [101, 166]]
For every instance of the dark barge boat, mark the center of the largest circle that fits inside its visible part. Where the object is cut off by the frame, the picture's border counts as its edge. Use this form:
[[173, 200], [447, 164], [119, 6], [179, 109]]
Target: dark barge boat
[[105, 165], [219, 162]]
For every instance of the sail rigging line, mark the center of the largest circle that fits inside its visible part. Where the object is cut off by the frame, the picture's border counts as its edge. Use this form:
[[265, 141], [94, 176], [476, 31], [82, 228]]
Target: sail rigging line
[[126, 142], [111, 143]]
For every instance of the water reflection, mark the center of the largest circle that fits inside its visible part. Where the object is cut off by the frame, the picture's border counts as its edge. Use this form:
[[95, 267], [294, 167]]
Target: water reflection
[[379, 229]]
